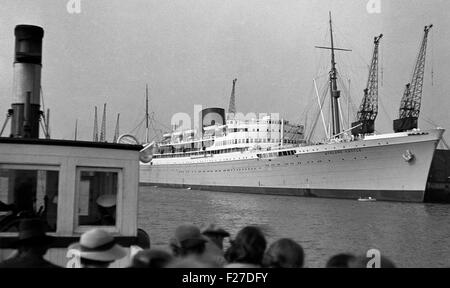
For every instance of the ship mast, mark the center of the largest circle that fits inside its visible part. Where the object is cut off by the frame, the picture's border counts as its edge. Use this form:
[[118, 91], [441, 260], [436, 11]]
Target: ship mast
[[335, 93], [333, 88], [146, 114]]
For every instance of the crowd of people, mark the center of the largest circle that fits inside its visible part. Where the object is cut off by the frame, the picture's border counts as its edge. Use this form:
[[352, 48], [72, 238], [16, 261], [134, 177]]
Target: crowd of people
[[190, 247]]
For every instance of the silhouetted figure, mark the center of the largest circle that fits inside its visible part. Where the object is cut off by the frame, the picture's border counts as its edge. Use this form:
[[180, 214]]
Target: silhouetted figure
[[9, 219], [25, 196], [32, 245], [340, 261], [98, 249], [151, 259], [284, 253], [106, 205], [247, 249], [7, 207]]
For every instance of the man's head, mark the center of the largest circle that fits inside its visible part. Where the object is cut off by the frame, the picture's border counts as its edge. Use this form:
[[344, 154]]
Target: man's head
[[248, 246], [32, 236], [340, 261], [284, 253], [188, 240], [216, 234], [106, 205]]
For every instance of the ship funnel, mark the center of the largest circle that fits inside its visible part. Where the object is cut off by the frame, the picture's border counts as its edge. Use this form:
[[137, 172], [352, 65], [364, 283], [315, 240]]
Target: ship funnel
[[25, 110]]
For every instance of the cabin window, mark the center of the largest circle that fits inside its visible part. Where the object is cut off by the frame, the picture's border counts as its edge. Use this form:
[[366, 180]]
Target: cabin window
[[28, 191], [97, 191]]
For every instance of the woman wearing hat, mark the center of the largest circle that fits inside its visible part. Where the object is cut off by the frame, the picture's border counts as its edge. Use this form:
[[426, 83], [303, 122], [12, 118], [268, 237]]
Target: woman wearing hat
[[97, 249]]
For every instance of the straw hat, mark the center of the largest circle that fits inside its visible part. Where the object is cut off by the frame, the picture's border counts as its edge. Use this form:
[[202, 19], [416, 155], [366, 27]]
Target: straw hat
[[99, 245]]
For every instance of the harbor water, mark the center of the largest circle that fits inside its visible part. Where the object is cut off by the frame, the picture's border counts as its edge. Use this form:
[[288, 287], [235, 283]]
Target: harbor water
[[412, 235]]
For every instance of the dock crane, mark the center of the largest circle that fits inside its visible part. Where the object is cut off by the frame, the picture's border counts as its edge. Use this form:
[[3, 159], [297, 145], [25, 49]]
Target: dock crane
[[368, 109], [411, 100]]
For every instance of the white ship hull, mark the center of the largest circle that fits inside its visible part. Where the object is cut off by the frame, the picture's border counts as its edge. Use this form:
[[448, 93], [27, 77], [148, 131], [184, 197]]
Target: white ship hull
[[391, 167]]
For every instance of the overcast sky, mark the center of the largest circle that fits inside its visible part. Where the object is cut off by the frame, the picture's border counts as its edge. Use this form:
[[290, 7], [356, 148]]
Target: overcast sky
[[189, 51]]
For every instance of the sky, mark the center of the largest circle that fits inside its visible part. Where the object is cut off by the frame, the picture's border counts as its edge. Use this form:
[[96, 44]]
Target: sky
[[189, 51]]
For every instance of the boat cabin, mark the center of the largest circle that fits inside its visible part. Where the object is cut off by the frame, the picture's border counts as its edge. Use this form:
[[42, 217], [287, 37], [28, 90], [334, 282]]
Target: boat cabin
[[73, 186]]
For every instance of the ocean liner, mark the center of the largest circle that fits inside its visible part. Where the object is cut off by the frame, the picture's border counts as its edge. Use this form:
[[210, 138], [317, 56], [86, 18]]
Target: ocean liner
[[269, 155]]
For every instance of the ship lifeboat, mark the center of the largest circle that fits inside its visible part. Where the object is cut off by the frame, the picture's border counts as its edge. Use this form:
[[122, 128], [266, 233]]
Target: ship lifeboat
[[146, 154], [408, 156], [366, 199]]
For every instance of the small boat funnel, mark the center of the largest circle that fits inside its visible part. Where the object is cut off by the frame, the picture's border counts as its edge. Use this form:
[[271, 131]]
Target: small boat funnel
[[25, 112]]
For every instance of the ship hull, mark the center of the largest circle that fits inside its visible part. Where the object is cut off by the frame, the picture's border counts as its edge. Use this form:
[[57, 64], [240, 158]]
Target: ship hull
[[389, 169], [386, 195]]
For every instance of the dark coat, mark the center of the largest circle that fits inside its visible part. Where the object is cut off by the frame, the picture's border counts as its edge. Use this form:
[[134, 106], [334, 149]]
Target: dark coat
[[27, 260]]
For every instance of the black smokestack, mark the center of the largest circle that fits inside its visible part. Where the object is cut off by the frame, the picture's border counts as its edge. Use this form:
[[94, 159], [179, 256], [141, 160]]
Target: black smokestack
[[27, 81]]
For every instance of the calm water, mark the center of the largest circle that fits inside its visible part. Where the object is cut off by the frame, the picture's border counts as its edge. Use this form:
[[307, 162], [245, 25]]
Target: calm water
[[412, 235]]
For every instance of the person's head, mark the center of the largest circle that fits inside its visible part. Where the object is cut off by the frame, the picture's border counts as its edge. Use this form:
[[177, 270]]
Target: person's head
[[248, 246], [284, 253], [362, 261], [106, 205], [151, 259], [340, 261], [98, 249], [188, 240], [143, 240], [216, 234], [32, 237]]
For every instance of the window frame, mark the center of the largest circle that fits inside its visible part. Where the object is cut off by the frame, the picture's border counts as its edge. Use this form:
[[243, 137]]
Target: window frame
[[77, 228], [42, 167]]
